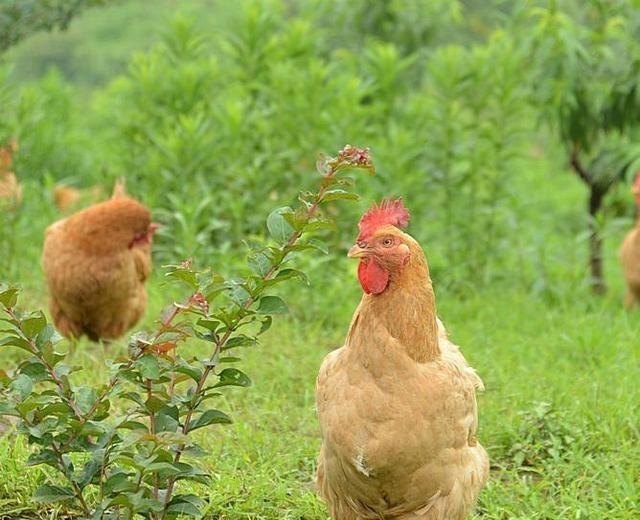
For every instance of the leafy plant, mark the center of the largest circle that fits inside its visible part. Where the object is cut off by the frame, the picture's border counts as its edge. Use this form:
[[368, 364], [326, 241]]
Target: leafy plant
[[541, 435], [122, 448]]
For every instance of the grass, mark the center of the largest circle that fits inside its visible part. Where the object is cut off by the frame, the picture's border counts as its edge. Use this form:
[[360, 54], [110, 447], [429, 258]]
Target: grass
[[559, 416], [575, 457]]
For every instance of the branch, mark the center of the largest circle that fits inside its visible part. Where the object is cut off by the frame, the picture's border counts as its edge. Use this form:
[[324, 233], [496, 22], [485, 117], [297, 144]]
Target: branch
[[577, 166]]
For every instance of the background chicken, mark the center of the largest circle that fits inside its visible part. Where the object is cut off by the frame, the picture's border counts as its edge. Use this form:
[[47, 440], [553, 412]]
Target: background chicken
[[96, 262], [630, 254], [68, 198], [10, 189], [396, 403]]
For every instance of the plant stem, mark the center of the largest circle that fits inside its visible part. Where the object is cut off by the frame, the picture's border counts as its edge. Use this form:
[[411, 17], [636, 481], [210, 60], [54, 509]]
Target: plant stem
[[295, 236], [76, 488]]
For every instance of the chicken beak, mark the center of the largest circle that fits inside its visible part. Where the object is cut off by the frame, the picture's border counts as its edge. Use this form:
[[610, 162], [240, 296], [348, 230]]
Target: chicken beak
[[357, 252], [153, 227]]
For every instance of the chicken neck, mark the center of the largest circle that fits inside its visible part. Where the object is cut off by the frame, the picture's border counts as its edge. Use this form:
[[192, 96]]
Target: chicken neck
[[406, 309]]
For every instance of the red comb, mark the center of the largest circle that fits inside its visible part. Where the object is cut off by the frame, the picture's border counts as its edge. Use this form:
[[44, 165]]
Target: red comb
[[388, 212]]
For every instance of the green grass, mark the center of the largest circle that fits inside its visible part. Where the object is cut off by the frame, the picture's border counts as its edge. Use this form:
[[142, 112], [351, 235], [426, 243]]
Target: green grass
[[581, 356], [559, 416]]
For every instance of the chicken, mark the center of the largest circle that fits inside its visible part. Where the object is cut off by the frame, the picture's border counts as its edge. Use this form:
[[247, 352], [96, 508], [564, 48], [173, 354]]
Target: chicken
[[630, 255], [10, 188], [396, 404], [96, 262], [67, 197]]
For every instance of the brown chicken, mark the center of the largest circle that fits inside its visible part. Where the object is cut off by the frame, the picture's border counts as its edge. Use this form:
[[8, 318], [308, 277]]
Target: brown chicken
[[96, 263], [630, 255], [10, 188], [397, 404], [68, 198]]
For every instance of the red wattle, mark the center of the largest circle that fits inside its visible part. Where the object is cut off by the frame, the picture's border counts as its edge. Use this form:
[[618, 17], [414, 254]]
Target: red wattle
[[373, 278]]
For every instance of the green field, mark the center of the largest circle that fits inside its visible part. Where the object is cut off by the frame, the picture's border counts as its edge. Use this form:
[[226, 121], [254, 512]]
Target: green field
[[221, 124]]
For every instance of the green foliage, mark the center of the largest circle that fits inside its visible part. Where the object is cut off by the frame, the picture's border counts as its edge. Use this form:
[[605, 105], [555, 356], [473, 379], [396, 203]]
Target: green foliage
[[541, 435], [586, 60], [51, 143], [20, 19], [121, 448]]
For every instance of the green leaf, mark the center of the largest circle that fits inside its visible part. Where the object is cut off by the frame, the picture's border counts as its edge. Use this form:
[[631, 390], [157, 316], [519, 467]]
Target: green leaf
[[46, 456], [118, 483], [339, 194], [259, 262], [153, 404], [7, 408], [34, 324], [23, 385], [266, 325], [319, 225], [209, 417], [35, 369], [189, 505], [133, 425], [85, 398], [285, 274], [9, 296], [43, 429], [149, 367], [279, 229], [16, 341], [183, 274], [230, 359], [241, 340], [48, 493], [89, 471], [47, 335], [211, 325], [233, 377], [238, 293], [193, 372], [165, 469], [167, 419], [298, 220], [272, 305]]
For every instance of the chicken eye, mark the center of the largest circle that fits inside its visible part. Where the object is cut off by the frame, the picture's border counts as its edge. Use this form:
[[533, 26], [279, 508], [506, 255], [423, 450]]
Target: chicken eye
[[387, 242]]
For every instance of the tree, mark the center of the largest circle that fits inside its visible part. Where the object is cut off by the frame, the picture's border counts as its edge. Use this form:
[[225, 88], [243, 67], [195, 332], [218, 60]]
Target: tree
[[21, 18], [586, 64]]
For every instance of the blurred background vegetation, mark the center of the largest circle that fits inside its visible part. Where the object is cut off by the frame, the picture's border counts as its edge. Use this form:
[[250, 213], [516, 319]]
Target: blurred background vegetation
[[509, 128], [212, 110]]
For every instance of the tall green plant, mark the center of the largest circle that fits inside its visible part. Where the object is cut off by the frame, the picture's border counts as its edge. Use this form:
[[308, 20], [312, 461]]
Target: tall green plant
[[121, 449], [473, 116]]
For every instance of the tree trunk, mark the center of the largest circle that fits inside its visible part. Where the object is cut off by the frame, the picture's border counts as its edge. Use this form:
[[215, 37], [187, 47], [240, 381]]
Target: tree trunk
[[595, 242], [596, 197]]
